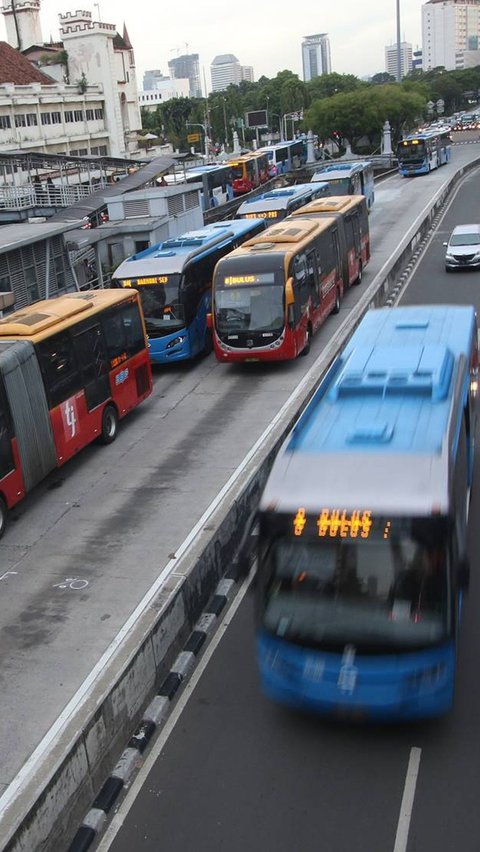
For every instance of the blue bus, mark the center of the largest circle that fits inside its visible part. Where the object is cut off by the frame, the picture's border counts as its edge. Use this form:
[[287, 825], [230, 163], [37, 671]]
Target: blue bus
[[174, 279], [215, 178], [419, 153], [276, 204], [362, 557], [285, 156], [355, 178]]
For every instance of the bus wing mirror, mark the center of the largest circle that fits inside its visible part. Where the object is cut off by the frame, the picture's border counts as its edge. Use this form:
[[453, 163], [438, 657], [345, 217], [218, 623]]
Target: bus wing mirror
[[445, 244], [289, 294], [463, 573], [209, 320]]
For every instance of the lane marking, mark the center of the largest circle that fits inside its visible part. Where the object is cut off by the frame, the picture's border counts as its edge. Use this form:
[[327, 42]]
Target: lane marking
[[159, 744], [406, 807]]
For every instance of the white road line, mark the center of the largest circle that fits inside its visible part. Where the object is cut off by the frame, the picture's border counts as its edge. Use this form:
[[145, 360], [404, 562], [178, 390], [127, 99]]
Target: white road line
[[159, 744], [406, 807]]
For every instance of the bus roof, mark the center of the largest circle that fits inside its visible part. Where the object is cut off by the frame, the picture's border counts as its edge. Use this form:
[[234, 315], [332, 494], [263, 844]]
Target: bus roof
[[331, 204], [278, 199], [426, 134], [171, 256], [375, 435], [286, 235], [37, 321], [343, 169]]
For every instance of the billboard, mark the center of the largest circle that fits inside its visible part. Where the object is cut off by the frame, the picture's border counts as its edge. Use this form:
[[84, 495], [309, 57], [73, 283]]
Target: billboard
[[257, 118]]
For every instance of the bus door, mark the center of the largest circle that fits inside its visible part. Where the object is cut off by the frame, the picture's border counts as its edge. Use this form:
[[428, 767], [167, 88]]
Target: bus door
[[313, 282], [355, 250], [94, 366], [302, 290], [196, 297], [355, 185]]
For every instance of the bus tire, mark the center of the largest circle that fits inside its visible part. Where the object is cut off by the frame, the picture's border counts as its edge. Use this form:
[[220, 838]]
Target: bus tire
[[3, 516], [308, 342], [109, 425], [336, 306], [358, 279]]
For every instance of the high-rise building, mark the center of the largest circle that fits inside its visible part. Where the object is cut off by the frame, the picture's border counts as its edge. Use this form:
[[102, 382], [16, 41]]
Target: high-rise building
[[151, 78], [450, 34], [226, 70], [187, 67], [316, 56], [391, 59]]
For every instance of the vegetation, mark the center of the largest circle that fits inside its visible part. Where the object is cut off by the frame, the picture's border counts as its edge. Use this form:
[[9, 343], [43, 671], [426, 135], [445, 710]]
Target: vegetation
[[338, 106]]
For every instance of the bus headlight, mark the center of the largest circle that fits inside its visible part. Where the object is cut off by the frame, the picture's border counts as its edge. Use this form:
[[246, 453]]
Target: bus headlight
[[175, 342]]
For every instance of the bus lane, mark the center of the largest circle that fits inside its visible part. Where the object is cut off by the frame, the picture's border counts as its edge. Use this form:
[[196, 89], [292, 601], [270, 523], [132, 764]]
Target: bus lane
[[233, 771], [87, 544]]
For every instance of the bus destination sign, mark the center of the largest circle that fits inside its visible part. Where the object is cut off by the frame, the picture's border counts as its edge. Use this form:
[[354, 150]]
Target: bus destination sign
[[144, 282], [338, 523], [262, 278]]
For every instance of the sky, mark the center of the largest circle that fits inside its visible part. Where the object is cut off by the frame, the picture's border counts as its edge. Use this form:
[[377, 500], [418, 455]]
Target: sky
[[265, 35]]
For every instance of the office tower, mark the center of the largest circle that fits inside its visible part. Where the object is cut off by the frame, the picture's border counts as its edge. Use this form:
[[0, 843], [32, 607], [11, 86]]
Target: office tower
[[316, 56]]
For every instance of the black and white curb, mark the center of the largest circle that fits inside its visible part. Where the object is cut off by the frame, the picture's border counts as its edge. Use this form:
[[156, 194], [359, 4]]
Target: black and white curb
[[154, 717]]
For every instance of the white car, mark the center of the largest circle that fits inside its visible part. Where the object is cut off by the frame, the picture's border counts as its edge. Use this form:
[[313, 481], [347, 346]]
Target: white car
[[463, 248]]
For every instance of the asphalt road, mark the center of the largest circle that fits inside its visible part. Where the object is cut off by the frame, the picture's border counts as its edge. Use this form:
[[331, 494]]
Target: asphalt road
[[238, 773]]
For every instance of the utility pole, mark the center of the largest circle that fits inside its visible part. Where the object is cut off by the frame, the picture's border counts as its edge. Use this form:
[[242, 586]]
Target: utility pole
[[399, 50]]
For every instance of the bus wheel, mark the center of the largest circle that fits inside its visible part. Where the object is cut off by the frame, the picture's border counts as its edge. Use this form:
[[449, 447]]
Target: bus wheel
[[358, 279], [109, 425], [3, 516], [336, 307], [308, 341]]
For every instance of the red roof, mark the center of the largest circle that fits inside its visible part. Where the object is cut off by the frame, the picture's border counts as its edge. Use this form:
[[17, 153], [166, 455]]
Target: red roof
[[15, 68]]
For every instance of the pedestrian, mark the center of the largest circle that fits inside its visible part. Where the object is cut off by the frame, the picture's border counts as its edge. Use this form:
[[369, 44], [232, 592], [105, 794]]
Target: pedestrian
[[50, 191], [37, 185]]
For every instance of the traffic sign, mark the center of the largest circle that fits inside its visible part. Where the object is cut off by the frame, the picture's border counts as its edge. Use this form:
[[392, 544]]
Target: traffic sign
[[193, 137]]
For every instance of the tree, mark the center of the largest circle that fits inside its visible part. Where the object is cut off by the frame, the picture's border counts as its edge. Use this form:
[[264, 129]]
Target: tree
[[382, 77], [364, 112]]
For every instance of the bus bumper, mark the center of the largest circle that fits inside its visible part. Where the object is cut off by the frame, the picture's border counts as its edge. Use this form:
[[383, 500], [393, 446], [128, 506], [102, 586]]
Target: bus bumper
[[397, 688], [165, 350]]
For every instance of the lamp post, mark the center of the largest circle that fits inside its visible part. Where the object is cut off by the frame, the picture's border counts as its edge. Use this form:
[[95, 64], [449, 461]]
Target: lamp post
[[399, 51], [225, 122]]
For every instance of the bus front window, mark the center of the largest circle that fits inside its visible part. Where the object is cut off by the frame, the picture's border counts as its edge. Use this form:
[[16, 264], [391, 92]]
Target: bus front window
[[381, 595], [339, 186], [410, 153], [162, 306], [247, 308]]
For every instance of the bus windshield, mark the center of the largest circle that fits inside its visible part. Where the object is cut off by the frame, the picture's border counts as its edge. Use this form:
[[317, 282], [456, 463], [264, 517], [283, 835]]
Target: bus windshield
[[340, 186], [162, 306], [380, 594], [250, 307], [410, 153]]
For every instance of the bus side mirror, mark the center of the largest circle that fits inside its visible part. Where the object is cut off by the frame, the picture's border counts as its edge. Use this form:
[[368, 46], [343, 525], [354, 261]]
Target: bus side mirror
[[209, 321], [463, 573], [445, 244], [289, 294]]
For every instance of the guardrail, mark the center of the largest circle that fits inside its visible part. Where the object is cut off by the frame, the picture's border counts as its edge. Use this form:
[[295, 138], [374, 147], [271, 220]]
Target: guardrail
[[61, 785], [25, 197]]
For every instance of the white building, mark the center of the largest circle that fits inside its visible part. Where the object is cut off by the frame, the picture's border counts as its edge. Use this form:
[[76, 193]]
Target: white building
[[90, 54], [165, 90], [391, 59], [226, 70], [450, 34], [39, 114], [316, 57], [98, 53]]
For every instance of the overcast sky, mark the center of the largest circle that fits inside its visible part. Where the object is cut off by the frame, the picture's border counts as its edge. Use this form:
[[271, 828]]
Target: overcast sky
[[265, 34]]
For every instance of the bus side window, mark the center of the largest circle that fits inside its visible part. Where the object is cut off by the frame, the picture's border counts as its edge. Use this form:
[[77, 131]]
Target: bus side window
[[6, 435], [123, 331], [59, 367]]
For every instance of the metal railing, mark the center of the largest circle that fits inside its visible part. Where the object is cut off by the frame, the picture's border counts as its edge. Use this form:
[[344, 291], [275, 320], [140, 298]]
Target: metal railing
[[43, 195]]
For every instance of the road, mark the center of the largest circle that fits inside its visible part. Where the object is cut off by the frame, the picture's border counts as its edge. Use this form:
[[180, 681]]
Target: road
[[234, 772]]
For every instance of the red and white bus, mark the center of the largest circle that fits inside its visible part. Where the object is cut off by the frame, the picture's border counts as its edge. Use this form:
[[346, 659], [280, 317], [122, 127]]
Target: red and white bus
[[353, 211], [273, 293], [70, 369], [248, 172]]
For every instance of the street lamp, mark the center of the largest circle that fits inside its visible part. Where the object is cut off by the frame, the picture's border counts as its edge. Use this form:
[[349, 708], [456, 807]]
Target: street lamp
[[225, 122], [197, 124], [399, 52]]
